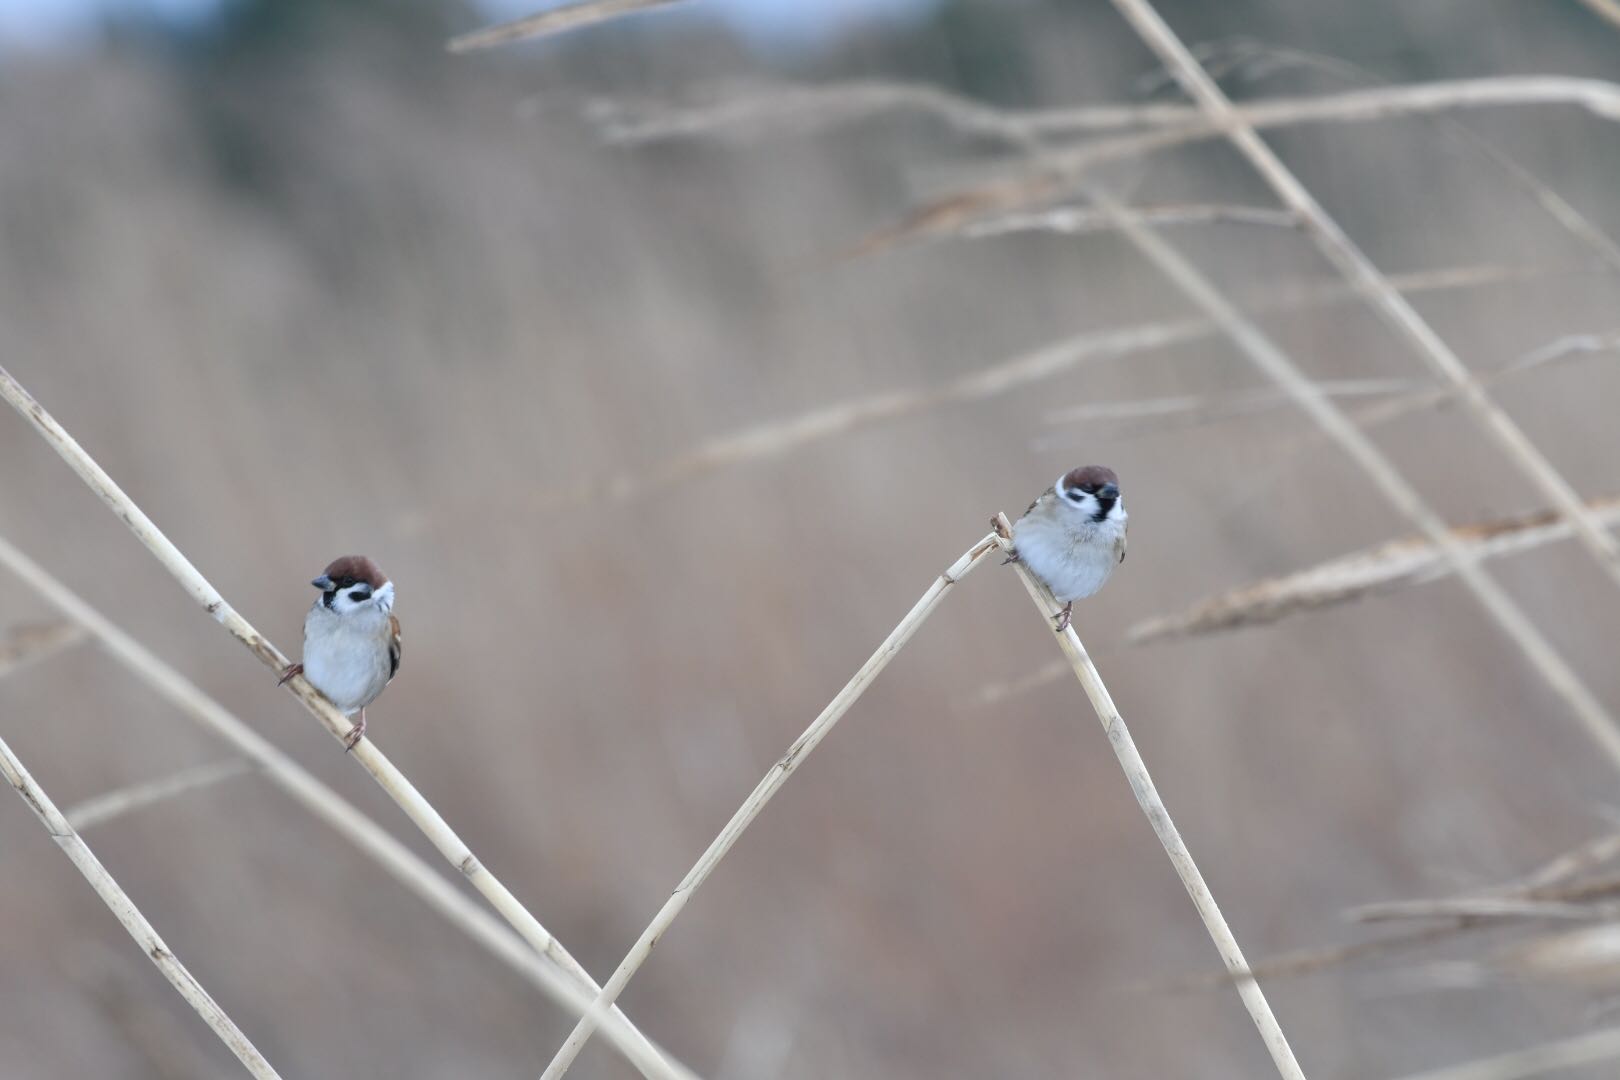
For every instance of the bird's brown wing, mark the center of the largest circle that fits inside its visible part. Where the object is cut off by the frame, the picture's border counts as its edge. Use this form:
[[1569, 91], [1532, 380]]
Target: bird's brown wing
[[1119, 545], [1037, 502], [394, 646]]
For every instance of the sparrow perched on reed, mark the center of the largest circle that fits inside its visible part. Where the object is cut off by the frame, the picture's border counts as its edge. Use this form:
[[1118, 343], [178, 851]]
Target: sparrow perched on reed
[[1073, 535], [351, 638]]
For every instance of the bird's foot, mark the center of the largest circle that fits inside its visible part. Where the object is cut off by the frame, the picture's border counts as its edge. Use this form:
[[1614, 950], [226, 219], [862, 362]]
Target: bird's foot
[[358, 732], [288, 672], [1062, 617], [1012, 556]]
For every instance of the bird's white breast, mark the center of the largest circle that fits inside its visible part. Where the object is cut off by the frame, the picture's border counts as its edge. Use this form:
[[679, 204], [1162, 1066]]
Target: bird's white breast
[[1073, 558], [346, 656]]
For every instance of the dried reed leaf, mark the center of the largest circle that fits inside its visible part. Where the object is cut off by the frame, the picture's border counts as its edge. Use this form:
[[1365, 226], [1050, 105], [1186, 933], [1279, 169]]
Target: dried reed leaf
[[1399, 564]]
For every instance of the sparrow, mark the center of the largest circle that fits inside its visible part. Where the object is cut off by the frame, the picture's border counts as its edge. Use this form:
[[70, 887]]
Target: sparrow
[[351, 638], [1073, 535]]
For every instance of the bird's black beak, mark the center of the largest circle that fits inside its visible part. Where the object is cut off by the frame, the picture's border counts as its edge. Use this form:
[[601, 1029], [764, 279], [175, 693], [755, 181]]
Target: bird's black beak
[[323, 583], [1108, 491]]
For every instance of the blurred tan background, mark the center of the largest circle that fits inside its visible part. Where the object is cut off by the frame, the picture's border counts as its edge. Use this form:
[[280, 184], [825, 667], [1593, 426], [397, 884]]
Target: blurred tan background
[[307, 285]]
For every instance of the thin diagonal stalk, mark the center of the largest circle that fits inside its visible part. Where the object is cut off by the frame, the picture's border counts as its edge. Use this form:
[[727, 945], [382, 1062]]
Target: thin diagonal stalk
[[778, 775], [124, 909], [1360, 272], [558, 976], [365, 752], [1280, 368], [1587, 1049], [110, 805], [1272, 58], [1158, 815]]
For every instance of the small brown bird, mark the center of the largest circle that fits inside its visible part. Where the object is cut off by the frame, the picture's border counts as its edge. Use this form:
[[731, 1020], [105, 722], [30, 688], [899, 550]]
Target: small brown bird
[[1073, 535], [351, 638]]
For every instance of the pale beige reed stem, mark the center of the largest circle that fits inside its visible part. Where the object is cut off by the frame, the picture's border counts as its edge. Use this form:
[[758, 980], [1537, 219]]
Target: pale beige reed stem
[[1360, 272], [778, 775], [112, 805], [394, 782], [1158, 815], [122, 907]]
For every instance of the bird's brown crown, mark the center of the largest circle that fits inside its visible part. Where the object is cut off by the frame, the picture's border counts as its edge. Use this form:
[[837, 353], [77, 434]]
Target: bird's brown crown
[[353, 569], [1089, 478]]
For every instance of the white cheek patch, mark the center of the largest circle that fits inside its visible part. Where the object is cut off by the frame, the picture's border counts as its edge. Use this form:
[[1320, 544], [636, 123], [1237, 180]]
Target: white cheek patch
[[385, 596]]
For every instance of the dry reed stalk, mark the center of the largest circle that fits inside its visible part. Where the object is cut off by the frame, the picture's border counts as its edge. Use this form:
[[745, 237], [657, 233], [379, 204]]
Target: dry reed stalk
[[555, 21], [109, 805], [1562, 867], [753, 109], [762, 794], [1556, 206], [1587, 1049], [1607, 10], [1158, 815], [1200, 408], [1405, 563], [557, 975], [1079, 220], [1547, 882], [25, 646], [1478, 907], [1061, 169], [1359, 271], [1406, 395], [124, 909], [1276, 365], [777, 437], [785, 109], [401, 790]]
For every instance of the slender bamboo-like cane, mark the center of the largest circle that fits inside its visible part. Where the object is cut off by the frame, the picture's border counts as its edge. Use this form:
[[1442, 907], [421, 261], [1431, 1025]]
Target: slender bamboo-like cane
[[1336, 245], [119, 903], [778, 775], [1147, 797], [387, 775]]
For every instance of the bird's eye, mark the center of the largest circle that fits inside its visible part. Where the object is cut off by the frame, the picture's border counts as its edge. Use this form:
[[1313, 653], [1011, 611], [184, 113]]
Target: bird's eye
[[358, 595]]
